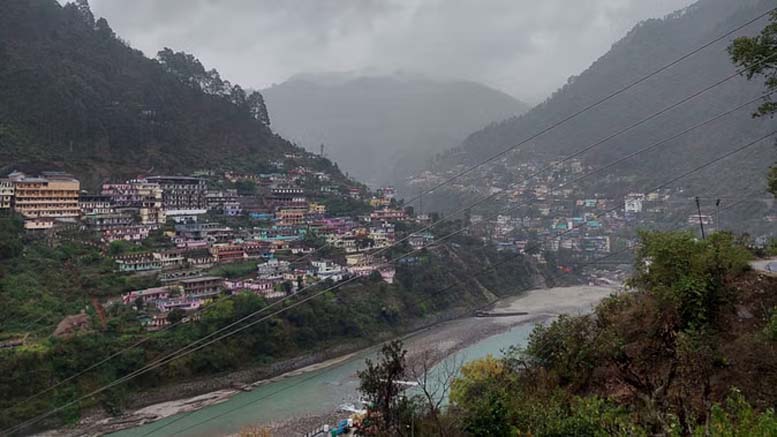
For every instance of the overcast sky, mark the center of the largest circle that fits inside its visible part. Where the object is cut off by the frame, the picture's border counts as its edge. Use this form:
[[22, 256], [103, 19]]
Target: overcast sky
[[527, 48]]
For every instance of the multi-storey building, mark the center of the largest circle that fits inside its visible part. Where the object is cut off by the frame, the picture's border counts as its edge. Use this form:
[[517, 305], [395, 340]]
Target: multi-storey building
[[225, 253], [90, 205], [290, 216], [139, 194], [182, 195], [284, 197], [203, 286], [224, 201], [137, 262], [6, 193], [53, 195]]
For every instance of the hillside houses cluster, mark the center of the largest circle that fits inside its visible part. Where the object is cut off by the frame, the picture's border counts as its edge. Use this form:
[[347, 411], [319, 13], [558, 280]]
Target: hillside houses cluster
[[545, 208], [277, 223]]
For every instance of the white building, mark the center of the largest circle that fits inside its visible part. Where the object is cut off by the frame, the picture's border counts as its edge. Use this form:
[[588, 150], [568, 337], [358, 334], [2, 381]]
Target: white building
[[633, 202]]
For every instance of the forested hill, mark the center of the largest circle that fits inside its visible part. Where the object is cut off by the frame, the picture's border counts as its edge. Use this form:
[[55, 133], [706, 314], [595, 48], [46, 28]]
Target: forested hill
[[74, 96], [383, 127], [650, 45]]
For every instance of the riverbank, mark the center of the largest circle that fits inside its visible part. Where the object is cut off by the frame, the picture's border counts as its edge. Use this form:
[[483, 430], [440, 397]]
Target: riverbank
[[449, 338], [444, 338]]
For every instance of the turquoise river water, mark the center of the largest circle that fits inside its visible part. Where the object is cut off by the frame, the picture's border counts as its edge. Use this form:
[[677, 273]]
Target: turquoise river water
[[316, 392]]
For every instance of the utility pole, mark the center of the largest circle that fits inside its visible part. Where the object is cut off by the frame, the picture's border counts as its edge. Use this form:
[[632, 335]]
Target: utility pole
[[701, 223], [717, 215]]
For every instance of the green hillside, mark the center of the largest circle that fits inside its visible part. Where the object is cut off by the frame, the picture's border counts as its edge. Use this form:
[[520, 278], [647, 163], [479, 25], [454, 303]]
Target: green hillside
[[74, 96]]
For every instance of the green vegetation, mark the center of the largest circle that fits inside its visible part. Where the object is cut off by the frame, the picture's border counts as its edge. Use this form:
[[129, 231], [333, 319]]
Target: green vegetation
[[75, 96], [676, 355], [756, 55], [340, 206], [234, 270], [41, 284]]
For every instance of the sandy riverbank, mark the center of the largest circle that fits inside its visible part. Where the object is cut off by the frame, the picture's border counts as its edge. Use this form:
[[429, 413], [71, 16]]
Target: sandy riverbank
[[447, 338], [444, 339]]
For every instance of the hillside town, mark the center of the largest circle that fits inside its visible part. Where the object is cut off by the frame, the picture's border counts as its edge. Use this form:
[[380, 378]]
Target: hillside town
[[206, 235], [534, 203], [274, 231]]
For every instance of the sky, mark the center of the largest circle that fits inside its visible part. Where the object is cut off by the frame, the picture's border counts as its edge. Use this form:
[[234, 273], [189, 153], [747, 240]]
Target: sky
[[527, 48]]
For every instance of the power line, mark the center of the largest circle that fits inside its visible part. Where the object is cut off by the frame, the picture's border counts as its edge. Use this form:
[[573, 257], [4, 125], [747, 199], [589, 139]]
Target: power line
[[553, 126], [578, 152], [315, 375], [182, 352], [578, 266], [449, 287], [598, 102], [594, 105], [143, 340]]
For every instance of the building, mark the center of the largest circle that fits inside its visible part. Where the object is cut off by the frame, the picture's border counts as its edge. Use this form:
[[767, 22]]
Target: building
[[137, 262], [226, 253], [202, 286], [182, 195], [328, 270], [127, 233], [53, 195], [90, 205], [146, 296], [633, 203], [388, 214], [316, 208], [272, 267], [138, 194], [224, 202], [696, 219], [105, 221], [287, 197], [290, 216], [6, 193]]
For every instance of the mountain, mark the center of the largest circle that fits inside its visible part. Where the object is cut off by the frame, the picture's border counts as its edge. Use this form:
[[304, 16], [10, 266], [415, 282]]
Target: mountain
[[381, 128], [650, 45], [74, 96]]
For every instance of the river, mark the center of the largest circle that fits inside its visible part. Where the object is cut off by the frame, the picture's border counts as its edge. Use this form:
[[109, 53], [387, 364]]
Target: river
[[321, 391]]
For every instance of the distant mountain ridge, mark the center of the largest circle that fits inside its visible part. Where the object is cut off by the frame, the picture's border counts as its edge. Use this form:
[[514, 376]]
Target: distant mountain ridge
[[381, 128], [74, 96], [648, 46]]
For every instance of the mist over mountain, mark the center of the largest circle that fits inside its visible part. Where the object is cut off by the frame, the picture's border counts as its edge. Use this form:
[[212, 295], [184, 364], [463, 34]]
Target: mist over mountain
[[648, 46], [74, 96], [381, 128]]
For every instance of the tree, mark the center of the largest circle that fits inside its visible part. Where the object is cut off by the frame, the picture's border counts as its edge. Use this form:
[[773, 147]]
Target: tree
[[434, 374], [379, 385], [758, 56], [257, 107], [175, 316], [104, 29], [139, 304], [11, 230], [85, 11], [481, 395]]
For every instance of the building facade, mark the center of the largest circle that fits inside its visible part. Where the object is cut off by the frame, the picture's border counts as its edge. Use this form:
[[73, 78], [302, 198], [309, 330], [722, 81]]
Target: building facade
[[52, 195], [182, 195]]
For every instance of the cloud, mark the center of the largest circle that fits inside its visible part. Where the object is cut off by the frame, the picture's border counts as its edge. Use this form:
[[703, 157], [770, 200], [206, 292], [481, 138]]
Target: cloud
[[525, 47]]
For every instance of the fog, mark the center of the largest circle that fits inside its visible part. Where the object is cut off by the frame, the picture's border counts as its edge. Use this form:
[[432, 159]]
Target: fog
[[527, 48]]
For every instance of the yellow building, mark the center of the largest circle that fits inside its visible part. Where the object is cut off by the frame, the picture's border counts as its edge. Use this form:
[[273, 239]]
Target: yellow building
[[290, 216], [41, 199], [316, 208]]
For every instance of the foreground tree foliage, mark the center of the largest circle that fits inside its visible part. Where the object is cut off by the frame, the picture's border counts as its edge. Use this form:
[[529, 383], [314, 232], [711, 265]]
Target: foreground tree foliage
[[689, 349], [758, 56]]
